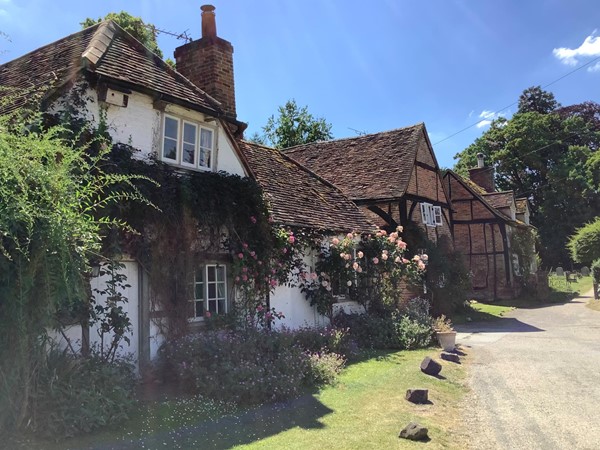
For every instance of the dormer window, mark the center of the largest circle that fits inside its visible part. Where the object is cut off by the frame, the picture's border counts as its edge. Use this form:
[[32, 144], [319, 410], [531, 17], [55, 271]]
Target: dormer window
[[187, 144]]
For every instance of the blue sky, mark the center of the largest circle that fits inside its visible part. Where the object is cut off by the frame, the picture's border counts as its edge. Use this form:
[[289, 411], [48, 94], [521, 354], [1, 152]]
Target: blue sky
[[364, 66]]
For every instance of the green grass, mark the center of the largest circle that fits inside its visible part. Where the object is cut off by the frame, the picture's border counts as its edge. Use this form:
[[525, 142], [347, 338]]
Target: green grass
[[366, 409]]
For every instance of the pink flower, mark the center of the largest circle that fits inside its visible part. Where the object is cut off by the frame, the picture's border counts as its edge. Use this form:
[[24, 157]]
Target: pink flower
[[241, 255], [420, 265], [401, 244], [252, 253], [260, 263], [268, 315], [391, 239], [416, 258], [259, 308], [349, 235], [284, 250], [314, 275], [384, 256], [273, 283], [355, 266], [245, 245], [405, 261], [273, 271], [376, 260], [360, 255], [398, 260], [252, 219], [291, 239], [399, 228], [424, 257], [335, 241], [207, 314], [359, 270], [347, 256], [244, 269], [270, 220], [237, 279], [383, 232], [244, 277], [325, 283]]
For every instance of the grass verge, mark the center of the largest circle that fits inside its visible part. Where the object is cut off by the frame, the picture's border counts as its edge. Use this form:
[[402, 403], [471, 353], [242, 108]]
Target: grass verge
[[365, 409]]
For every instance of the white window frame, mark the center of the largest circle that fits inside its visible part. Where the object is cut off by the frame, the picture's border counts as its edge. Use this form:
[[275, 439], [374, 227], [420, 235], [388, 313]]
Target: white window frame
[[431, 215], [205, 292], [178, 161]]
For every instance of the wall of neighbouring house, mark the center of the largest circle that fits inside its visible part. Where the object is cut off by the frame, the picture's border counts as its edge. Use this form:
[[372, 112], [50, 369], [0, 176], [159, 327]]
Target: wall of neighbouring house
[[483, 240]]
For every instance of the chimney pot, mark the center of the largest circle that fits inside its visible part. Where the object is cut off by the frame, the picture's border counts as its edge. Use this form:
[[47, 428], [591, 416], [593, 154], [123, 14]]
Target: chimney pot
[[480, 158], [209, 24]]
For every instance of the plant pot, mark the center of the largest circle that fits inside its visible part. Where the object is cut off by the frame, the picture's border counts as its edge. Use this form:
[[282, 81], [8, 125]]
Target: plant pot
[[447, 340]]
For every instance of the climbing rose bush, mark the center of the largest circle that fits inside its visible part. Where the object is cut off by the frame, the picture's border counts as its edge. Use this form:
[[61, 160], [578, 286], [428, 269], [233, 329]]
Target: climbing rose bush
[[366, 269]]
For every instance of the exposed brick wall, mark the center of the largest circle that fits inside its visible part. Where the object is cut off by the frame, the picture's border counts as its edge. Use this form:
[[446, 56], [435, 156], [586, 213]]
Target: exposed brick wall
[[208, 63], [424, 154], [484, 177]]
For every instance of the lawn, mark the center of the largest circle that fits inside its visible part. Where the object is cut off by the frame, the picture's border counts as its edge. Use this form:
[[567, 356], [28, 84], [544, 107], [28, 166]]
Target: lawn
[[366, 409], [560, 291]]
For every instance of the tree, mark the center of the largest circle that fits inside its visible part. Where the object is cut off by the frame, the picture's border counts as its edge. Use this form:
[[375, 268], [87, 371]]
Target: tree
[[293, 126], [143, 32], [535, 99], [549, 158], [584, 245]]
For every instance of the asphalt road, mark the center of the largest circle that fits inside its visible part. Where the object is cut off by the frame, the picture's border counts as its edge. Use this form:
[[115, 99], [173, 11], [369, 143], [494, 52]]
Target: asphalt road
[[535, 376]]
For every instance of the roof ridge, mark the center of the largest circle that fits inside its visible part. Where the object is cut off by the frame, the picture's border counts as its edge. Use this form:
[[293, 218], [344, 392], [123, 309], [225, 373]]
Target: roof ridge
[[100, 42], [51, 44], [297, 147]]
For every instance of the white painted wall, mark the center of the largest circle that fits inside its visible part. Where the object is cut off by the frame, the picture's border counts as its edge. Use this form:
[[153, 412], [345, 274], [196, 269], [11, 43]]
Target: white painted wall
[[131, 309]]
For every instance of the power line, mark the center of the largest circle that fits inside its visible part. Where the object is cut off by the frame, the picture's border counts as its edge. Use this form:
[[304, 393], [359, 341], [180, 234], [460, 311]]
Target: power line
[[514, 103]]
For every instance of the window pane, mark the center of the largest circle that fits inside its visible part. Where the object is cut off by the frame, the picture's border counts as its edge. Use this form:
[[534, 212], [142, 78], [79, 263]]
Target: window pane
[[199, 293], [200, 276], [170, 148], [199, 309], [204, 160], [206, 137], [211, 273], [188, 153], [222, 309], [212, 291], [220, 273], [189, 133], [171, 127], [221, 290], [212, 306]]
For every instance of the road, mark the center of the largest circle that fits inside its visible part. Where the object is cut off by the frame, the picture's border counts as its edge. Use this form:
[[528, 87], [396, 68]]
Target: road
[[535, 379]]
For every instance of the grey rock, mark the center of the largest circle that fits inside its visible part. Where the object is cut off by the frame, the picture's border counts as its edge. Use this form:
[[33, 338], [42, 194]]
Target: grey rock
[[449, 356], [414, 432], [430, 366], [417, 395]]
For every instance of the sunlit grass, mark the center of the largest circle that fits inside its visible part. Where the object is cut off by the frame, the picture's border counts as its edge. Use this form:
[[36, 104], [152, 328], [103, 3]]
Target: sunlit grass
[[365, 409]]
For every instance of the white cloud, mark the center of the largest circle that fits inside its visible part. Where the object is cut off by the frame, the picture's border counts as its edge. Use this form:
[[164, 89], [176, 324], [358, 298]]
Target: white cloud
[[571, 56], [594, 68], [487, 117]]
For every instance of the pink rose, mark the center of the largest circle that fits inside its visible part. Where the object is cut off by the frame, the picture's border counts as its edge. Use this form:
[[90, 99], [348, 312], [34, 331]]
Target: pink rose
[[355, 266], [359, 255], [245, 245], [237, 279], [314, 275], [244, 277], [349, 235], [241, 255], [376, 260], [335, 241], [252, 219], [207, 314], [401, 245], [384, 256], [259, 308], [291, 239]]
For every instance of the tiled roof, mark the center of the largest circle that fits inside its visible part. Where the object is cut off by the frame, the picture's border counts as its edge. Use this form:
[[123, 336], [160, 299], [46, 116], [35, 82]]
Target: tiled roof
[[500, 199], [373, 166], [106, 50], [299, 197]]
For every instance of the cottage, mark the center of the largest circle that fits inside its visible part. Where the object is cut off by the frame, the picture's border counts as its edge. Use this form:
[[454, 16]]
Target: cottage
[[492, 232], [184, 118], [392, 176]]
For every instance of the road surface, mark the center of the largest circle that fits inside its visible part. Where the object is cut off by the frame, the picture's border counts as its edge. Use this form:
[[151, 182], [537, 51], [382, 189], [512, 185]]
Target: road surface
[[535, 376]]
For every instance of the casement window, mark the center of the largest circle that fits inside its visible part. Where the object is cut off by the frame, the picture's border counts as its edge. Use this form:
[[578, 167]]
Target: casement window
[[210, 291], [431, 215], [187, 144]]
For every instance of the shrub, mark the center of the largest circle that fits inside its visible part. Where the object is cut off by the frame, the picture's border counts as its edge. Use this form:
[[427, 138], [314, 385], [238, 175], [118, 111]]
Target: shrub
[[395, 331], [323, 368], [595, 268], [584, 245], [249, 367], [330, 339], [77, 395]]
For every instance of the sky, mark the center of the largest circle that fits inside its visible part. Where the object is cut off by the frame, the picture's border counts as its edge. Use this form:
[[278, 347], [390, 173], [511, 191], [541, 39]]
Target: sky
[[367, 66]]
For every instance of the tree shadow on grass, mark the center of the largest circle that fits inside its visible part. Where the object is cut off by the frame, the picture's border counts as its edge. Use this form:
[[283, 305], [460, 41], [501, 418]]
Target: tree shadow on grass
[[237, 429]]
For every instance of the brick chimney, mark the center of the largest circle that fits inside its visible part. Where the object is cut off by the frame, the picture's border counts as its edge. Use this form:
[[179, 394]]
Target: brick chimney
[[483, 176], [208, 63]]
